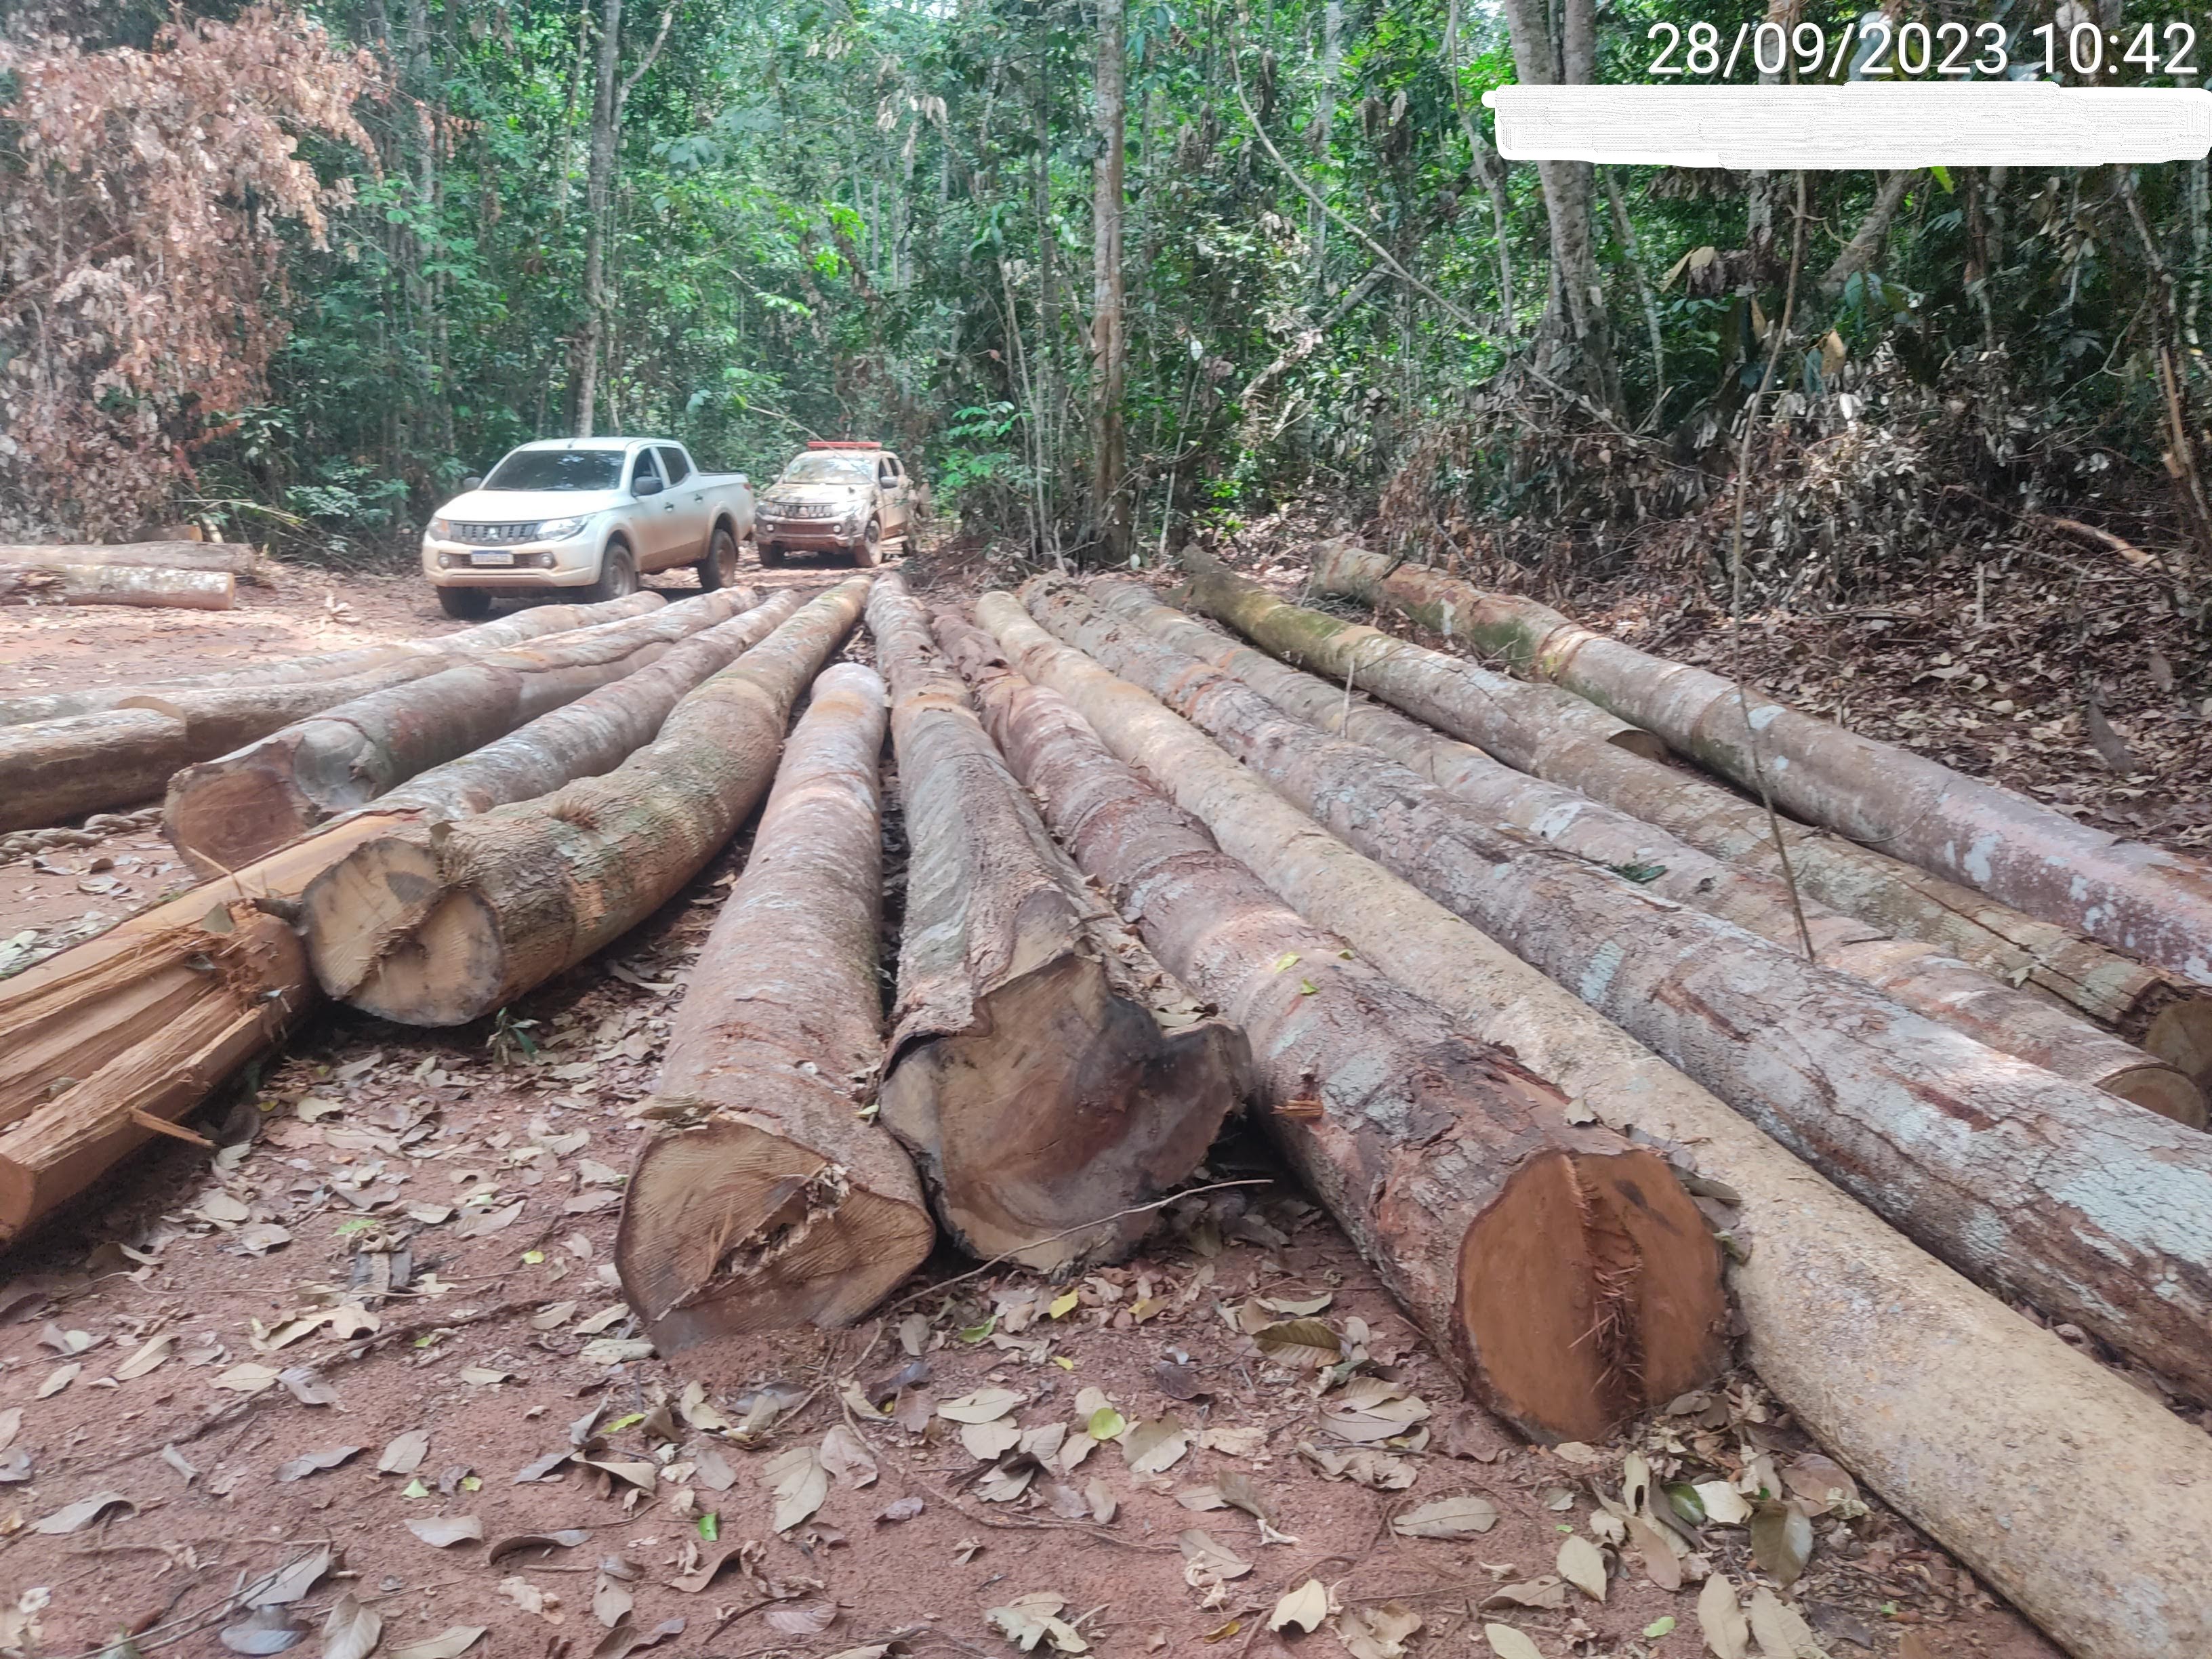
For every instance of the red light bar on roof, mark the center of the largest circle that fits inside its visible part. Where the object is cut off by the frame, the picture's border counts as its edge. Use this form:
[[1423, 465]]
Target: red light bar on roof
[[843, 443]]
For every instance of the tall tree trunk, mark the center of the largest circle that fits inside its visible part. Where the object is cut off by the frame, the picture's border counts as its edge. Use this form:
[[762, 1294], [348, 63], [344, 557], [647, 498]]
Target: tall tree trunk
[[1109, 504], [1866, 244], [598, 185], [1581, 330]]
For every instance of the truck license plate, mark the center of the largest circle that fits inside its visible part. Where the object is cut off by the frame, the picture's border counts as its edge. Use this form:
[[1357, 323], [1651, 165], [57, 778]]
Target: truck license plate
[[491, 558]]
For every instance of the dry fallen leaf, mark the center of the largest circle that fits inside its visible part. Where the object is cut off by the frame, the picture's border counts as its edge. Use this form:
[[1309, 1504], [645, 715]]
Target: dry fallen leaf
[[692, 1583], [1583, 1564], [1780, 1630], [313, 1463], [983, 1406], [846, 1457], [1305, 1342], [1029, 1620], [811, 1618], [1780, 1540], [155, 1349], [448, 1643], [800, 1483], [1724, 1504], [352, 1631], [566, 1538], [58, 1379], [1156, 1447], [1447, 1517], [441, 1532], [1508, 1642], [404, 1455], [70, 1518], [1721, 1618], [1207, 1561], [1377, 1632], [1304, 1606]]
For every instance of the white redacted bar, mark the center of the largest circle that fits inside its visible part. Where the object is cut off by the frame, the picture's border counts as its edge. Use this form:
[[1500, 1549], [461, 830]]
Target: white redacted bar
[[1858, 125]]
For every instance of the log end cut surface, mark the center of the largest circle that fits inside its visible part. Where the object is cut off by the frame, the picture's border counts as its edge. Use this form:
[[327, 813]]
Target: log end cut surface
[[222, 818], [1588, 1294], [2162, 1089], [390, 932], [1072, 1104], [2180, 1034], [749, 1232]]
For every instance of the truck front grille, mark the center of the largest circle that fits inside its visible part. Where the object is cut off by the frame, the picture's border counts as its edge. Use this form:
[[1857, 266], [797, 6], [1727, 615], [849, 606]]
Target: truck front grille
[[495, 535]]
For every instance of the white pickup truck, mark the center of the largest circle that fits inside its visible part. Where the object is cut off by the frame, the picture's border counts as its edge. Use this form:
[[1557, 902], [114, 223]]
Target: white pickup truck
[[588, 513]]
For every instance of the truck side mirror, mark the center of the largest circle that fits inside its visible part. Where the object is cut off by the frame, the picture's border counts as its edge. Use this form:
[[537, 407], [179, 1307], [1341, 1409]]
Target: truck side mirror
[[645, 486], [472, 481]]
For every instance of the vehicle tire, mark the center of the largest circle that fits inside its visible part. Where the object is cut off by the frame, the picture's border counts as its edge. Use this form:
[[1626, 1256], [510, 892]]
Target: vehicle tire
[[870, 552], [770, 556], [617, 576], [719, 567], [465, 604]]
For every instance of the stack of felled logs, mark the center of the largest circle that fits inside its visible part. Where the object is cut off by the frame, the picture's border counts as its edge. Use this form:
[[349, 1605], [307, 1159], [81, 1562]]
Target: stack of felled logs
[[1597, 1061], [1871, 1114]]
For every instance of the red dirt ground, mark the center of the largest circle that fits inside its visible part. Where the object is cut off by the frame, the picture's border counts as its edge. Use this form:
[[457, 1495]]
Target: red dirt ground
[[352, 1169]]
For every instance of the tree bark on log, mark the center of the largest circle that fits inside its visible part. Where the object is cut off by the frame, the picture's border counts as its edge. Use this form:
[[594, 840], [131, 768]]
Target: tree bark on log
[[234, 558], [243, 805], [534, 623], [43, 778], [151, 1016], [2137, 898], [1566, 1272], [96, 584], [438, 924], [1952, 1405], [1049, 1077], [108, 1041], [768, 1202], [2025, 1181], [1916, 975], [2148, 1006], [593, 734]]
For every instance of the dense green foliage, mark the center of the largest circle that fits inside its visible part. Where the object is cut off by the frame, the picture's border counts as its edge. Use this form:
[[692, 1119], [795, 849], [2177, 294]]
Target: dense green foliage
[[870, 216]]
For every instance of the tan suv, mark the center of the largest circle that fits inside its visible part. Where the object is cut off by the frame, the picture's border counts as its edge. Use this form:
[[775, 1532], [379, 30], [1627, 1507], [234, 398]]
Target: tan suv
[[836, 496]]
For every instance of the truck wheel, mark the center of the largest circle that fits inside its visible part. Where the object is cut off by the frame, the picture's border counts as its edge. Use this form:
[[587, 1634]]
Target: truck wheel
[[467, 604], [870, 552], [617, 576], [719, 567]]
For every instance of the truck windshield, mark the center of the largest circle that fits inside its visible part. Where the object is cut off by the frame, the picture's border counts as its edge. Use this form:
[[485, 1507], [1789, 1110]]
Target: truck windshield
[[558, 469], [828, 469]]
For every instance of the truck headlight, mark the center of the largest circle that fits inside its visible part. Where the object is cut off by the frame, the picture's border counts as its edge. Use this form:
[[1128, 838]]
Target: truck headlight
[[559, 530], [442, 528]]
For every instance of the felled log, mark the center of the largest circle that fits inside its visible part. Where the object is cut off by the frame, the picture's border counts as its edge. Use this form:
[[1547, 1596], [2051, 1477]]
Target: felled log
[[240, 806], [767, 1200], [529, 624], [1566, 1272], [437, 924], [94, 584], [106, 1044], [1950, 1404], [232, 558], [1048, 1075], [2148, 1006], [2135, 897], [1917, 976], [593, 734], [141, 1023], [43, 776], [2025, 1181]]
